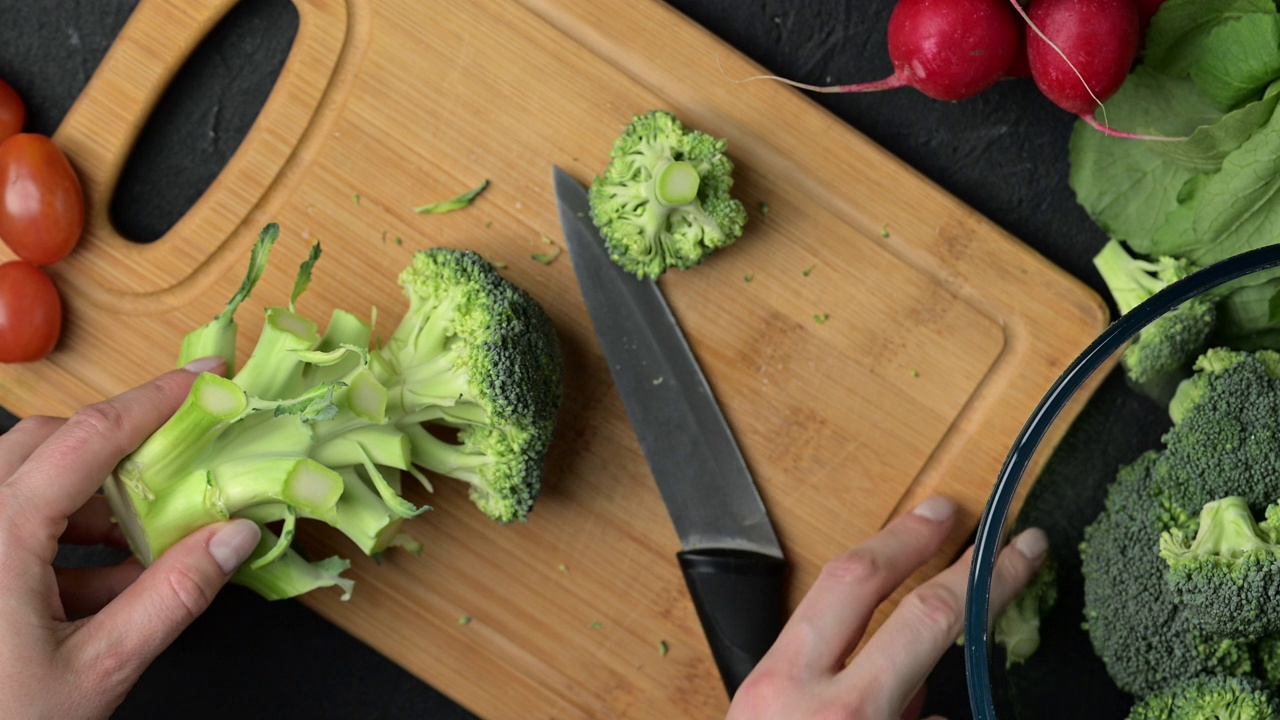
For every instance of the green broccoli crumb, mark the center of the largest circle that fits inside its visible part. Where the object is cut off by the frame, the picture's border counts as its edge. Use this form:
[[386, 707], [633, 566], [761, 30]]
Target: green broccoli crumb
[[821, 318]]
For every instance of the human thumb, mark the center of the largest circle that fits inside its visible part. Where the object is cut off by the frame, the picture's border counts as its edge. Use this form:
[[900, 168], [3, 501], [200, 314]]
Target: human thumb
[[180, 585]]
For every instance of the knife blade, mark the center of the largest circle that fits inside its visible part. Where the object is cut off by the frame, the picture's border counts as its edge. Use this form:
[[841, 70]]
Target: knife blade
[[730, 555]]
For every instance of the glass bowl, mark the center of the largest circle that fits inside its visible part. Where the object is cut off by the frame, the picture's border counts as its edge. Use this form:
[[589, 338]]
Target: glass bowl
[[1067, 469]]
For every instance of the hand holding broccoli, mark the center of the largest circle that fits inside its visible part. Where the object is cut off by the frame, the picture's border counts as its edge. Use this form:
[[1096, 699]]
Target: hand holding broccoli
[[52, 662]]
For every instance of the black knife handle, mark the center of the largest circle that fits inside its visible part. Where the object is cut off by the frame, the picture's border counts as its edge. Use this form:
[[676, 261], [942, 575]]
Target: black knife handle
[[740, 597]]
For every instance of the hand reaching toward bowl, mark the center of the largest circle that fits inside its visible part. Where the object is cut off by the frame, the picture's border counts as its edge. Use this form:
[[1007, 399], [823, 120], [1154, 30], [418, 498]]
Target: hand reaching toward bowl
[[808, 674]]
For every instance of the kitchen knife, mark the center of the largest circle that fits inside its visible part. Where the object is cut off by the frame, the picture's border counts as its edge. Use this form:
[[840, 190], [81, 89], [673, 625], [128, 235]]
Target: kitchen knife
[[732, 562]]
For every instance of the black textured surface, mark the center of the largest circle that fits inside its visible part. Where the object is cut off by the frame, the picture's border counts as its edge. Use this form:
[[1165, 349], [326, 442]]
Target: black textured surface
[[1004, 153]]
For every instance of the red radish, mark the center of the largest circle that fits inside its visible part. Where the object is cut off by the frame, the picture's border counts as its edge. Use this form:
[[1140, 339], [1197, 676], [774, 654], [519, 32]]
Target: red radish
[[1096, 41], [1020, 67], [946, 49]]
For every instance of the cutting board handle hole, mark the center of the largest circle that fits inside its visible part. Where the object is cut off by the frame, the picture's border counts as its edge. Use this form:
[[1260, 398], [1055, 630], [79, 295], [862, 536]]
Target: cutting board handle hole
[[203, 116]]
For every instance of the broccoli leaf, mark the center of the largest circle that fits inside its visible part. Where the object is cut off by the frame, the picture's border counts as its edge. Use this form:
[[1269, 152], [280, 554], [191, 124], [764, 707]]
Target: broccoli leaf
[[457, 203]]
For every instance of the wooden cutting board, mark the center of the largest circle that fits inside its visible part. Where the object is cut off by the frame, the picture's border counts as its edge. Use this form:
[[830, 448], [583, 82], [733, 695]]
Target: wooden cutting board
[[943, 331]]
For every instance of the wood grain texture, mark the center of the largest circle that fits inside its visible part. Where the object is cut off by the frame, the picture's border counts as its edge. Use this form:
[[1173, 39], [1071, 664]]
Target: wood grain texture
[[942, 336]]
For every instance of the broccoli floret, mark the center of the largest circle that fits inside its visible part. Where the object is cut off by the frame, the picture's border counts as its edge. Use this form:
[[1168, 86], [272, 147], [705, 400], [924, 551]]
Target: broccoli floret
[[1164, 347], [1228, 577], [1208, 698], [1018, 627], [664, 201], [477, 358], [1134, 623], [1227, 438]]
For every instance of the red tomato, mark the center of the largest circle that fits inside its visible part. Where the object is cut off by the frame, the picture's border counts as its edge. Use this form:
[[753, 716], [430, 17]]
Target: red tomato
[[13, 113], [41, 203], [30, 313]]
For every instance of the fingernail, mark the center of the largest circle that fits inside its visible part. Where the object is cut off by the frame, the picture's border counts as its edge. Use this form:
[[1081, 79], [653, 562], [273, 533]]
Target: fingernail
[[204, 364], [233, 543], [936, 508], [1032, 543]]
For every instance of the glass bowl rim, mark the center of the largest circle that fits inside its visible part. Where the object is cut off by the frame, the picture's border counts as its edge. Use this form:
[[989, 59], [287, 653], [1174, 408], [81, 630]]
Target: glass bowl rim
[[988, 539]]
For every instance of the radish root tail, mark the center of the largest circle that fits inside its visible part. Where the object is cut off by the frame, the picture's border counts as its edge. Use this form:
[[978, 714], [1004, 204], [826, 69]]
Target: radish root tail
[[1092, 122], [889, 83]]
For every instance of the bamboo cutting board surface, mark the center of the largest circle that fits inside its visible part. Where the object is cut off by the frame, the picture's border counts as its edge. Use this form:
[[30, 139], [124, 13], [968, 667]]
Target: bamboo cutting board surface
[[943, 331]]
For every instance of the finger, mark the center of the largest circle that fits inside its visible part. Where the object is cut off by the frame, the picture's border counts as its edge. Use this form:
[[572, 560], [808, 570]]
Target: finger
[[85, 591], [831, 618], [915, 705], [92, 525], [124, 637], [22, 440], [927, 622], [66, 470]]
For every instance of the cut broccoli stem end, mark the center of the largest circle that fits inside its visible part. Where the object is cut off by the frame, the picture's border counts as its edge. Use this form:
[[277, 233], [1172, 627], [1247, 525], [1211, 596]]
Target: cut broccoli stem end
[[273, 371], [300, 482], [676, 183], [1227, 531], [211, 406]]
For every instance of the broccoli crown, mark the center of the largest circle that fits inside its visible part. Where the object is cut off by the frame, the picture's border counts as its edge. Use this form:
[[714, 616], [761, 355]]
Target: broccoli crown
[[1017, 629], [1208, 698], [1169, 343], [479, 355], [1134, 623], [1225, 443], [1228, 578], [664, 200], [1166, 345]]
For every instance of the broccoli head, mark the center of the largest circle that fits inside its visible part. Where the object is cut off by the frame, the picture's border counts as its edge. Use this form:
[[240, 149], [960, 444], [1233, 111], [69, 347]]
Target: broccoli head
[[1228, 577], [1226, 440], [477, 361], [1133, 620], [664, 201], [1166, 346], [1208, 698]]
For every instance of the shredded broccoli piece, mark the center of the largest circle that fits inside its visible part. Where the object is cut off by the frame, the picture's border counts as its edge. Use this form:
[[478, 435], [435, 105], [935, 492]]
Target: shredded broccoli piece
[[1166, 346], [664, 200], [1209, 698]]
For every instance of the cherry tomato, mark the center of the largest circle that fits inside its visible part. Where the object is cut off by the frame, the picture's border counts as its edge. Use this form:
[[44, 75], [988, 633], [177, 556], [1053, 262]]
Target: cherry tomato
[[41, 203], [30, 313], [13, 112]]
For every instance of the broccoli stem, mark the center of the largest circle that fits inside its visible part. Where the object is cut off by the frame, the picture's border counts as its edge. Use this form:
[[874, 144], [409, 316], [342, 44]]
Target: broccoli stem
[[676, 183], [290, 575], [1130, 281], [218, 337], [445, 458], [384, 444], [344, 329], [273, 371], [363, 516], [301, 482], [213, 404], [1227, 530]]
